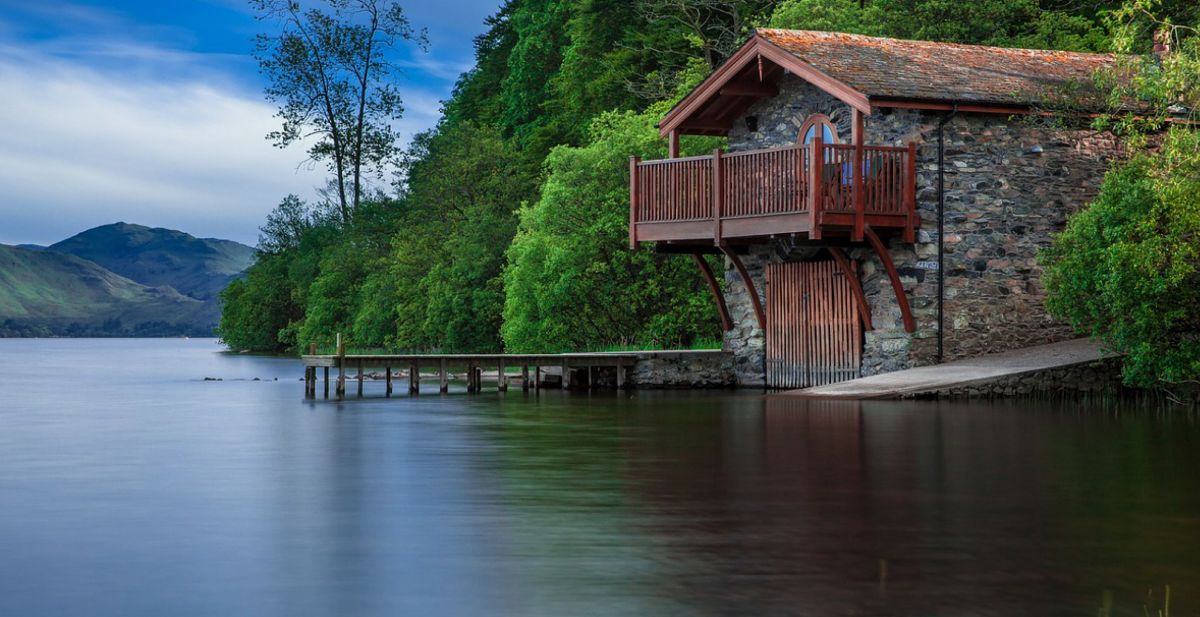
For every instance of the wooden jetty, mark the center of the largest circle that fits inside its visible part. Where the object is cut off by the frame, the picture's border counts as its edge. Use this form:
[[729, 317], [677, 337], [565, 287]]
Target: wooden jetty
[[470, 364]]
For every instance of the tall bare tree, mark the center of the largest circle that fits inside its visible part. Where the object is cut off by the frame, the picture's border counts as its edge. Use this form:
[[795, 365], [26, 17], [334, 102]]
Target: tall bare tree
[[330, 67]]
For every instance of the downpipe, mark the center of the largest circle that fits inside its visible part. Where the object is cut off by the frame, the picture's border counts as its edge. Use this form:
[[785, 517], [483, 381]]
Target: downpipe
[[941, 229]]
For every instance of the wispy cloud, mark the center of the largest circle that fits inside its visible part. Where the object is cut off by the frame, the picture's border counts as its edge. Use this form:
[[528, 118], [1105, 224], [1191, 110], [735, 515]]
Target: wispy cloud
[[86, 147]]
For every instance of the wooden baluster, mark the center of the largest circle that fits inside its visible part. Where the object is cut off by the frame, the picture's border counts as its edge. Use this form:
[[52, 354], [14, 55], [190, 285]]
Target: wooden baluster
[[718, 194], [910, 194], [816, 185]]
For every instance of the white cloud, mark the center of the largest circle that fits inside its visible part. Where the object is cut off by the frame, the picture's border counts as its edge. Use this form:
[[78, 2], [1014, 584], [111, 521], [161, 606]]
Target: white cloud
[[85, 146]]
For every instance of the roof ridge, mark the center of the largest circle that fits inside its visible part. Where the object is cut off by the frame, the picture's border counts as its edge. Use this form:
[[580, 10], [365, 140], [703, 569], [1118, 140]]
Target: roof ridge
[[852, 35]]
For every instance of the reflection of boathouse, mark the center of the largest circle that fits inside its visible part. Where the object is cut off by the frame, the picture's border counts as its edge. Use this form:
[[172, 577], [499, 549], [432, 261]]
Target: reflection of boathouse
[[847, 155]]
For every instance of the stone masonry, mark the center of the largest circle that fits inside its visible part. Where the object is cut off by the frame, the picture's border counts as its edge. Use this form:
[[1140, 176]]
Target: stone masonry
[[1009, 187]]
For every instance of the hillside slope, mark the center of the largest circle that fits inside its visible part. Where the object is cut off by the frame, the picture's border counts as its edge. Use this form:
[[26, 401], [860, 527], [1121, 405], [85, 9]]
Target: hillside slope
[[196, 267], [47, 293]]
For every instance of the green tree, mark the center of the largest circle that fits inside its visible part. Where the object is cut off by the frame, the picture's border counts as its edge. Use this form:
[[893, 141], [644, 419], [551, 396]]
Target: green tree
[[332, 73], [1127, 269], [1007, 23], [571, 282]]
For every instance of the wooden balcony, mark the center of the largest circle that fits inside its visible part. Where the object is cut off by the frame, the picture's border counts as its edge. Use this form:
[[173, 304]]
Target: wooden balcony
[[759, 194]]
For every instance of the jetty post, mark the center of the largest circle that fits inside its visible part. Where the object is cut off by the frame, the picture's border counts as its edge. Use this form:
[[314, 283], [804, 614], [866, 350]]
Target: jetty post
[[414, 378], [388, 371], [525, 377], [341, 366], [310, 375], [501, 376], [443, 377], [360, 378]]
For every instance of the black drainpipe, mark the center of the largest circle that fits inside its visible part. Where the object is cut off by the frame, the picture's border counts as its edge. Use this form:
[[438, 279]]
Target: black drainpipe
[[941, 216]]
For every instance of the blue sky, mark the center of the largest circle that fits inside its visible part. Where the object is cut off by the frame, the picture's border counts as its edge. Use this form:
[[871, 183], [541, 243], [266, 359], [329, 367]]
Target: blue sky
[[152, 112]]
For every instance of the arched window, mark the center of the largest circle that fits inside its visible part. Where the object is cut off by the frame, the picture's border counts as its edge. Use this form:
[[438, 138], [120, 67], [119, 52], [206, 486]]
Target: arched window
[[818, 122]]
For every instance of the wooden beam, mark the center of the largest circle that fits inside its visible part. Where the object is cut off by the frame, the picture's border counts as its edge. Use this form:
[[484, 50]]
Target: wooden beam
[[814, 76], [864, 311], [673, 145], [749, 53], [856, 188], [702, 125], [755, 89], [948, 106], [715, 289], [749, 282], [894, 276], [816, 183], [633, 201]]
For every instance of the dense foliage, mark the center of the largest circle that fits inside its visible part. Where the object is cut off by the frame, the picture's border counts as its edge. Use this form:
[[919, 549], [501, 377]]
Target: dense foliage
[[507, 228], [1127, 269]]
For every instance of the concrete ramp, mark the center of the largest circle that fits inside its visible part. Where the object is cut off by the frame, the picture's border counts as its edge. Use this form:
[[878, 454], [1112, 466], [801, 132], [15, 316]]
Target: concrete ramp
[[960, 373]]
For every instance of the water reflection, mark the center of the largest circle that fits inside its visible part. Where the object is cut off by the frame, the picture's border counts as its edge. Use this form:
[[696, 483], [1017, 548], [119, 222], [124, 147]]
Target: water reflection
[[152, 492]]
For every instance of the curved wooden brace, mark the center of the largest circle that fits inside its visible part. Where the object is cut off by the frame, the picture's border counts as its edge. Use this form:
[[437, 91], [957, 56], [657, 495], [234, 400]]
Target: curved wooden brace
[[718, 297], [754, 299], [901, 298], [864, 311]]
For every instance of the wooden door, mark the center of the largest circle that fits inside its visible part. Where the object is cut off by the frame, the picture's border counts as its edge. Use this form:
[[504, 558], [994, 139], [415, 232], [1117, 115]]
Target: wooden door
[[814, 336]]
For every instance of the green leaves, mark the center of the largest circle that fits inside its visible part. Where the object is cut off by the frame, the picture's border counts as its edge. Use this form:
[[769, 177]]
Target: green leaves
[[571, 282], [1127, 269], [331, 72]]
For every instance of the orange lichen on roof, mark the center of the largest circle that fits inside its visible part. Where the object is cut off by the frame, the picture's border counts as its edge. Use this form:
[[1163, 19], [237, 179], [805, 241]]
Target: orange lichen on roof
[[925, 70]]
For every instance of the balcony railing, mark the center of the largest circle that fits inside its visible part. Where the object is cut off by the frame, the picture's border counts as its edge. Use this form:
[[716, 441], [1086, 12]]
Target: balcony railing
[[776, 191]]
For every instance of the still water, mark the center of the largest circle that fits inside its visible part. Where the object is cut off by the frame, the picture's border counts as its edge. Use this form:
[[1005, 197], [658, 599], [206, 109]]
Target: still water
[[131, 486]]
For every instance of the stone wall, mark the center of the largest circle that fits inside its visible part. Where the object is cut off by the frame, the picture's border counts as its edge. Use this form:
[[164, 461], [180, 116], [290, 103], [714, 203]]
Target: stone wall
[[1009, 186], [1103, 377], [683, 369]]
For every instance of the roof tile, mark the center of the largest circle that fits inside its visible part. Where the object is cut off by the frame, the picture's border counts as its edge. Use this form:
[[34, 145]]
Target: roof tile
[[925, 70]]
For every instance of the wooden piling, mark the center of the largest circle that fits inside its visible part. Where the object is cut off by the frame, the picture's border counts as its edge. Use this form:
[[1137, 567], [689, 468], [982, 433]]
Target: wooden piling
[[443, 377], [310, 375], [566, 376], [620, 376], [326, 383], [537, 378], [525, 378], [388, 380], [501, 377], [360, 378], [414, 379], [341, 364]]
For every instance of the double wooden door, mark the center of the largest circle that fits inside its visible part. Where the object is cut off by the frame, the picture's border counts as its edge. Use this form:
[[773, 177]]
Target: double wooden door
[[814, 336]]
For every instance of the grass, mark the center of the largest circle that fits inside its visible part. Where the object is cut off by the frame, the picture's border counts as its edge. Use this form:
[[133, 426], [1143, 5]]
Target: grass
[[354, 350]]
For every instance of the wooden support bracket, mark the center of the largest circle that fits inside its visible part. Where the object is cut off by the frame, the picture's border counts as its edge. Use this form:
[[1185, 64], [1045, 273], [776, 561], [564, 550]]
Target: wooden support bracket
[[749, 282], [864, 311], [715, 288], [894, 276]]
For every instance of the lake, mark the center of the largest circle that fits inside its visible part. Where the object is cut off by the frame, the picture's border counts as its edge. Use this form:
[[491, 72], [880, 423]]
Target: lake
[[131, 486]]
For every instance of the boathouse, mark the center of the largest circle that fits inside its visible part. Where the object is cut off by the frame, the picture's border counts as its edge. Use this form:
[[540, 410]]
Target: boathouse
[[881, 202]]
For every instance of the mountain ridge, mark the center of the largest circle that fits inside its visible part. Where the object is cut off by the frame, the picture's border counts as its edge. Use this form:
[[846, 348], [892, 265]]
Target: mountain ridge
[[120, 279]]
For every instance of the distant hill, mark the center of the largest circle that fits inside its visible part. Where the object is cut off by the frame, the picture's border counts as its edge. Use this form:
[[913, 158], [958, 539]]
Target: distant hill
[[118, 280], [196, 267], [46, 293]]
